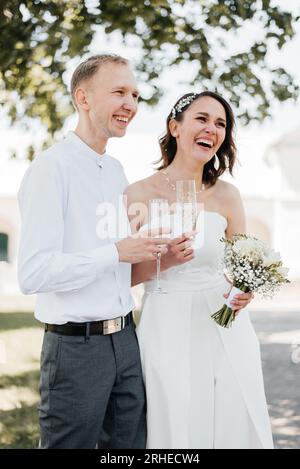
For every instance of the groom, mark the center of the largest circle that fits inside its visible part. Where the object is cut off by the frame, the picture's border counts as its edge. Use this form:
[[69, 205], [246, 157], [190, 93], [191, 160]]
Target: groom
[[91, 383]]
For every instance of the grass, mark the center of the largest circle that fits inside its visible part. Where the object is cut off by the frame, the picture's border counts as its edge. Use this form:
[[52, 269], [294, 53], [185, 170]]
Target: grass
[[19, 428], [21, 338], [9, 321], [27, 380]]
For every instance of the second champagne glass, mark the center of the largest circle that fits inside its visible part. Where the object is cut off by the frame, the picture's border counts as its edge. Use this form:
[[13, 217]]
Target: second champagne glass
[[159, 213], [187, 207]]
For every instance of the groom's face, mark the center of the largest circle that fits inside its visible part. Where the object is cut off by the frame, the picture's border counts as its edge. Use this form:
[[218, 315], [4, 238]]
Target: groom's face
[[112, 98]]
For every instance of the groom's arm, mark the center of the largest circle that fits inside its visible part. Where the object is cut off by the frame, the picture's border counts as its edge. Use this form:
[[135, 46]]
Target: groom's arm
[[42, 264]]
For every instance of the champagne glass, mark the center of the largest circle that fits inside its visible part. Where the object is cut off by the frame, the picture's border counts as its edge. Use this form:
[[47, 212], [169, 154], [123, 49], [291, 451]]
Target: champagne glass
[[187, 206], [159, 216]]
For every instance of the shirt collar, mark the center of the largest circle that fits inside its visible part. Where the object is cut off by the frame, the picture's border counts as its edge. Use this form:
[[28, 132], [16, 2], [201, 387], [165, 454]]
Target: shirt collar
[[85, 150]]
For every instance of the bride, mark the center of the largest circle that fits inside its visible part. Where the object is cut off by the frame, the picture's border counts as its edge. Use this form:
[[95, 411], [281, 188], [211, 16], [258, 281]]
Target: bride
[[204, 383]]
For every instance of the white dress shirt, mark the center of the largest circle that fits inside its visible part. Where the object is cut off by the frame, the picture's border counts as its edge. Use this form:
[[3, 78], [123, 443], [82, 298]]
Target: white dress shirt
[[75, 272]]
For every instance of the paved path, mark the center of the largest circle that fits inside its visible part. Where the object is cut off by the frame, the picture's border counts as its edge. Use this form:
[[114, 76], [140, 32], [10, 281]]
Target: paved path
[[277, 331]]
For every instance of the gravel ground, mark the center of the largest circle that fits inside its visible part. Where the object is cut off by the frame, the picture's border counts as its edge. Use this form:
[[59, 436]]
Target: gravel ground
[[277, 332]]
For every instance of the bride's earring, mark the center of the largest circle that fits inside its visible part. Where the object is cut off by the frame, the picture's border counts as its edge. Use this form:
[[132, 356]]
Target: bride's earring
[[216, 162]]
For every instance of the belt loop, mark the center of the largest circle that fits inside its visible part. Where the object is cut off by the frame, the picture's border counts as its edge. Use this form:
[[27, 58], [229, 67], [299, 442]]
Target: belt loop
[[46, 327], [87, 332]]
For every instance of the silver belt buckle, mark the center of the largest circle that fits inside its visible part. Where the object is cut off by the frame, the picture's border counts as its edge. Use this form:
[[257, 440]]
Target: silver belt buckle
[[110, 326]]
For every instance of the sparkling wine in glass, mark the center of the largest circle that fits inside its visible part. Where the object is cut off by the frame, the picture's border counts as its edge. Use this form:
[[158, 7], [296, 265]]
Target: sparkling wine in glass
[[187, 207], [159, 217]]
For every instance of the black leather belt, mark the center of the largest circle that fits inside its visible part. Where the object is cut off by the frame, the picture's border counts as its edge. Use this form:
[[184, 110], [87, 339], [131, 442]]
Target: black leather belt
[[109, 326]]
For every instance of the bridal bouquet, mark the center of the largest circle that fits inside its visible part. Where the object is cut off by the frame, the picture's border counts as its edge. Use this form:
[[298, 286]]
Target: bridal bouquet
[[251, 266]]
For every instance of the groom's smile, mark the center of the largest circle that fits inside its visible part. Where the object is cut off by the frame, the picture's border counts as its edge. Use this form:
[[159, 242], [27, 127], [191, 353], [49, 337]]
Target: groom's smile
[[121, 120]]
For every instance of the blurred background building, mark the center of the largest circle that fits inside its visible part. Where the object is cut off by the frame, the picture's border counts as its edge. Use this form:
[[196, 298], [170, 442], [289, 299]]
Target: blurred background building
[[276, 219]]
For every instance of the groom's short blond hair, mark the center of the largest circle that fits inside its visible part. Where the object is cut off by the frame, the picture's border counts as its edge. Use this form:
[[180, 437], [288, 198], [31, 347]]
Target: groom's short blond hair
[[90, 66]]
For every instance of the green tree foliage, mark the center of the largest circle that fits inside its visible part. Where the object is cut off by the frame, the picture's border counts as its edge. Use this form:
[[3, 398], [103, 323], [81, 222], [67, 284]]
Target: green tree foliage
[[39, 37]]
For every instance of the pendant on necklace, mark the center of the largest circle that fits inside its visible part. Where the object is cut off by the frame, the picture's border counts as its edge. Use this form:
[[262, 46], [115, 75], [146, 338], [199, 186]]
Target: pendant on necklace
[[173, 186]]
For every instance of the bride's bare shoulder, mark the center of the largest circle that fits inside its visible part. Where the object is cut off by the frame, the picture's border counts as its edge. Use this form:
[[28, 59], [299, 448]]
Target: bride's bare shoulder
[[226, 190], [137, 196], [141, 190]]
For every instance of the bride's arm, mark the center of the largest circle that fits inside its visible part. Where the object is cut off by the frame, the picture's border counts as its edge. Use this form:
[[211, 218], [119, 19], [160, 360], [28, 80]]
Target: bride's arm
[[142, 272], [236, 217], [236, 220], [178, 252]]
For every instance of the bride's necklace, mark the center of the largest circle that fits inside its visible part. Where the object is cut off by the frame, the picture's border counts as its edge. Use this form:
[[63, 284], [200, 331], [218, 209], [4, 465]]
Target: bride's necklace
[[173, 186]]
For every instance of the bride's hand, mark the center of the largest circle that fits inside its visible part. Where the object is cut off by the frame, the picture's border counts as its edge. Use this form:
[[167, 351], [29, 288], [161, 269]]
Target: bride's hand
[[179, 251], [240, 301]]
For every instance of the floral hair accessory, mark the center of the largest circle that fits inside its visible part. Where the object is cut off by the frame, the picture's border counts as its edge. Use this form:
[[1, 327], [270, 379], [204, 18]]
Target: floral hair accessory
[[182, 103]]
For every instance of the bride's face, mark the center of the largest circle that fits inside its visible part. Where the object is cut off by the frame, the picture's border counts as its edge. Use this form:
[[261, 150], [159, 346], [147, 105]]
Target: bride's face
[[202, 130]]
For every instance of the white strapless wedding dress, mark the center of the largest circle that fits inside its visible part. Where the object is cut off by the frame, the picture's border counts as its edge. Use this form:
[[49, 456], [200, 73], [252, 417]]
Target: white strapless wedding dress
[[204, 383]]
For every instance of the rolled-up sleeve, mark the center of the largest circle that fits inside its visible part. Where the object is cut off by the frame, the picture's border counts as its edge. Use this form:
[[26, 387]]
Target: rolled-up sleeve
[[42, 264]]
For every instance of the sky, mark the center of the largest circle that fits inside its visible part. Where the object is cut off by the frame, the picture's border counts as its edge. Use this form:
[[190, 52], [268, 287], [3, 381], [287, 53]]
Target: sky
[[139, 148]]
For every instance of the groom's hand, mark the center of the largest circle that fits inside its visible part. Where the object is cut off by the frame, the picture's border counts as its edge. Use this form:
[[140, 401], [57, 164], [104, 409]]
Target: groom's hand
[[179, 251], [143, 246]]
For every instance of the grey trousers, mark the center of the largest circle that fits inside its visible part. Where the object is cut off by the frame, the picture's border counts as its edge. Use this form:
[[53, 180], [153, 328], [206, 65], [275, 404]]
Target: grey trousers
[[92, 392]]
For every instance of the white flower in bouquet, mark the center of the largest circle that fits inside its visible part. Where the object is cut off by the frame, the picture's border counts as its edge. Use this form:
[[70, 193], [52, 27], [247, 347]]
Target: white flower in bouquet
[[283, 271], [271, 258], [253, 266], [248, 247]]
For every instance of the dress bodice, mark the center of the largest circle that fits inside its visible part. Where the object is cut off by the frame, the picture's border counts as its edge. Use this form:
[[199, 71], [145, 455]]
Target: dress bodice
[[204, 270]]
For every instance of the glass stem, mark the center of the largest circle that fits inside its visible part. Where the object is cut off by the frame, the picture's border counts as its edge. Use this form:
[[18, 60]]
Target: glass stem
[[158, 271]]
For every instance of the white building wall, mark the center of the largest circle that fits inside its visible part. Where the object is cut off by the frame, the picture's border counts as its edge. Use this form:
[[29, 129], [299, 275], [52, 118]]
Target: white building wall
[[260, 218]]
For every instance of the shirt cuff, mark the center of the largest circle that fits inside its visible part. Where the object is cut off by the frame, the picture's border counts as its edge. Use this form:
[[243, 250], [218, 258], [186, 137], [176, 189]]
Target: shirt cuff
[[107, 258]]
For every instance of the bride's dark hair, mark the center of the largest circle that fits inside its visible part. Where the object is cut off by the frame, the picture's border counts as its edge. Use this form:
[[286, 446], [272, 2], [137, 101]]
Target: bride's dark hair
[[227, 152]]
